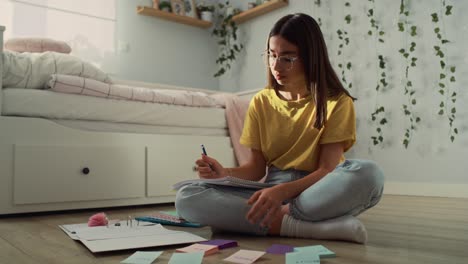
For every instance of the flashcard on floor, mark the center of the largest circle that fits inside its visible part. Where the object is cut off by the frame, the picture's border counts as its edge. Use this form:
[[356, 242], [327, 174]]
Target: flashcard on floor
[[206, 249], [142, 257], [302, 257], [186, 258], [245, 256], [320, 250], [279, 249]]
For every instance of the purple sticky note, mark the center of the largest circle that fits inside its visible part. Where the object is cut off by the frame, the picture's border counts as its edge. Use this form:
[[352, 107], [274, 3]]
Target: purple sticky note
[[221, 243], [280, 249]]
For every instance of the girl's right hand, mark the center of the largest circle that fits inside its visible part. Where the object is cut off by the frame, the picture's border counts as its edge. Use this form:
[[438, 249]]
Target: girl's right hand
[[209, 168]]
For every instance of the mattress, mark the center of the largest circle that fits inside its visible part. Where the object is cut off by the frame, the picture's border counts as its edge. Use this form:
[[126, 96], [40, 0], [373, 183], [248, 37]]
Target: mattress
[[58, 106], [102, 126]]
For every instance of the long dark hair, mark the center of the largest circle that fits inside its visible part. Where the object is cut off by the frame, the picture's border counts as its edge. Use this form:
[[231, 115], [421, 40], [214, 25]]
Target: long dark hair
[[321, 80]]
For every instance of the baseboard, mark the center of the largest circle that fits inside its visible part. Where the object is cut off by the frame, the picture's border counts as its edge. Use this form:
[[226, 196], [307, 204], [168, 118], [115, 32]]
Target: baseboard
[[427, 189]]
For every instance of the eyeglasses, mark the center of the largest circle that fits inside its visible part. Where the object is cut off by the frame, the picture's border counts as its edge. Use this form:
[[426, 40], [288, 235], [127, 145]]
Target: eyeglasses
[[285, 62]]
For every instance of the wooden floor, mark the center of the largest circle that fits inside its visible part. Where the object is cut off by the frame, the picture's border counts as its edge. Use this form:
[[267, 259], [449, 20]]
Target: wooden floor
[[402, 229]]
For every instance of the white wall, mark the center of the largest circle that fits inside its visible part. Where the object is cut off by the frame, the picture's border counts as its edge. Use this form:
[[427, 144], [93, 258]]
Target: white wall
[[432, 165], [163, 51]]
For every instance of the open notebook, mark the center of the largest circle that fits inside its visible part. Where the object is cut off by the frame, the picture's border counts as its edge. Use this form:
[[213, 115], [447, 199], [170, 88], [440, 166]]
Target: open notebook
[[136, 235], [226, 181]]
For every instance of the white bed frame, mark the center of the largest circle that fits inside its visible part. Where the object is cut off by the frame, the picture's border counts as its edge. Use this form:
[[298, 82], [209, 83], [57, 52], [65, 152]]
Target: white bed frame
[[47, 167]]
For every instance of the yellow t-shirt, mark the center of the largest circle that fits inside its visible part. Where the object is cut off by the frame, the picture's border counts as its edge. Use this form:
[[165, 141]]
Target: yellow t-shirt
[[284, 132]]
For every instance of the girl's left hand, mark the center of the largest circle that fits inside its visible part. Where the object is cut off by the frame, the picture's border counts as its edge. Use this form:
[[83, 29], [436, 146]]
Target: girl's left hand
[[266, 204]]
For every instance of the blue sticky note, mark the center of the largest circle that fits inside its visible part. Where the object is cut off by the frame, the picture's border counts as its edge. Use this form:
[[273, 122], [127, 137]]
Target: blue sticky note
[[319, 250], [302, 258], [142, 257], [186, 258]]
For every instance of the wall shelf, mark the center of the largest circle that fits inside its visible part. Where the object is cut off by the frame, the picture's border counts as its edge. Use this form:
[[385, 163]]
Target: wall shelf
[[259, 10], [149, 11], [239, 18]]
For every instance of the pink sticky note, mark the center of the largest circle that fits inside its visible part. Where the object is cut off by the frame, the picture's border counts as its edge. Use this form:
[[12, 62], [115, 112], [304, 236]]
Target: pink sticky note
[[207, 249], [245, 256]]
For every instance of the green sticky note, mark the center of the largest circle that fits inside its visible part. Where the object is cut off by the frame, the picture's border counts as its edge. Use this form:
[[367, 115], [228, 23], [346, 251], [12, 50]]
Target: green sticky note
[[303, 257], [142, 257], [186, 258], [319, 250]]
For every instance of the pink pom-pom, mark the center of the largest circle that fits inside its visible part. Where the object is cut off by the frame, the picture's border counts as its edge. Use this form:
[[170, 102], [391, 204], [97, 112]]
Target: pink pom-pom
[[99, 219]]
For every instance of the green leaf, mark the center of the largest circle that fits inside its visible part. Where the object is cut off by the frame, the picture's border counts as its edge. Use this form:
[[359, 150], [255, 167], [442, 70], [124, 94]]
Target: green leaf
[[441, 92], [455, 130], [452, 69], [454, 110], [371, 12], [435, 18], [405, 143], [348, 19], [445, 41], [436, 30], [380, 138], [452, 79], [437, 48], [413, 31], [452, 138], [383, 121], [442, 64], [402, 51], [448, 10], [441, 111], [441, 104], [347, 4], [401, 26], [379, 129], [418, 119], [413, 102], [381, 33], [441, 85], [369, 32], [442, 76]]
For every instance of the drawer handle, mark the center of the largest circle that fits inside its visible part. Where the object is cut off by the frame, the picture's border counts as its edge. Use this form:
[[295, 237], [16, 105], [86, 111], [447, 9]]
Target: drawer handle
[[85, 171]]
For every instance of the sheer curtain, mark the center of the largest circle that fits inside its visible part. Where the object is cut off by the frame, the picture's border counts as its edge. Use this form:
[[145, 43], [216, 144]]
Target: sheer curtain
[[88, 26]]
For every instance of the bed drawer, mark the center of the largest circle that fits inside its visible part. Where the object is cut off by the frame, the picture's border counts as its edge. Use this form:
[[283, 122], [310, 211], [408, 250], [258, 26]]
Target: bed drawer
[[173, 160], [47, 174]]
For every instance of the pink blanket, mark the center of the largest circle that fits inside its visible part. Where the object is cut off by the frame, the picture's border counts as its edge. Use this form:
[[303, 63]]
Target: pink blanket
[[236, 108]]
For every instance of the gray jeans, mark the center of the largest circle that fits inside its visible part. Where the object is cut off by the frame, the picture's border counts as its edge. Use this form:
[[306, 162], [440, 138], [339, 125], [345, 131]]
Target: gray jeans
[[351, 188]]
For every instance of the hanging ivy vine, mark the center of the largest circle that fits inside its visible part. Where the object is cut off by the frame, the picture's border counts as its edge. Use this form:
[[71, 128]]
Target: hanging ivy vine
[[446, 80], [379, 114], [344, 65], [410, 59], [225, 33]]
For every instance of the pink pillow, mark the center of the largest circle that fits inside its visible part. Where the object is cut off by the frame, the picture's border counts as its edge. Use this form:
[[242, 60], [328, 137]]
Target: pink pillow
[[36, 45]]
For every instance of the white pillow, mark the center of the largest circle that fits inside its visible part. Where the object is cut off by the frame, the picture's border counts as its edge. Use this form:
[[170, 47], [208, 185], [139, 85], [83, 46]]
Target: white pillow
[[33, 70]]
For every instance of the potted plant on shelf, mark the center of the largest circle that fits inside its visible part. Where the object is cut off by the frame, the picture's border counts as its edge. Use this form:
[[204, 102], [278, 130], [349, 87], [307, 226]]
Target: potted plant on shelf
[[165, 6], [206, 11], [225, 32]]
